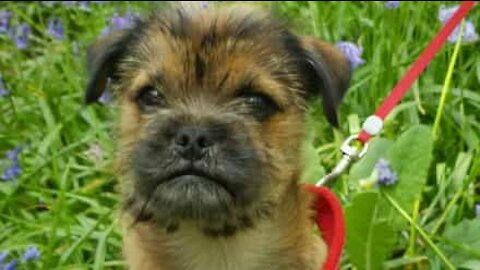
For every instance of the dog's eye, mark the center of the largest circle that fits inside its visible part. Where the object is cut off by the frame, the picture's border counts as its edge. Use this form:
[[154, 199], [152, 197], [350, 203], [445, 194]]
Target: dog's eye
[[149, 97], [260, 105]]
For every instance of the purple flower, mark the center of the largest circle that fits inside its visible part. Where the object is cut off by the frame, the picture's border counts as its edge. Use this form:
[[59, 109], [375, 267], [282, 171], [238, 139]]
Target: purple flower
[[3, 256], [118, 22], [352, 52], [69, 3], [3, 90], [55, 28], [12, 155], [477, 210], [13, 169], [31, 254], [469, 34], [12, 265], [11, 172], [386, 176], [20, 35], [392, 4], [4, 21], [444, 14], [83, 5]]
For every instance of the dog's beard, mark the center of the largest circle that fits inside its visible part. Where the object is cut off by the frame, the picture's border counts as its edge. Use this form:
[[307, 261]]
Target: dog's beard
[[221, 191]]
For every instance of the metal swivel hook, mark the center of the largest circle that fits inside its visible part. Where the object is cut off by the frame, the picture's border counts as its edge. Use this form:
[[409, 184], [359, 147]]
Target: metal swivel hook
[[350, 154]]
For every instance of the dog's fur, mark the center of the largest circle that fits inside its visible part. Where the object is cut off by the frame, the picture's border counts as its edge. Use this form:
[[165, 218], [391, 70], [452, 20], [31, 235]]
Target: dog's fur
[[235, 84]]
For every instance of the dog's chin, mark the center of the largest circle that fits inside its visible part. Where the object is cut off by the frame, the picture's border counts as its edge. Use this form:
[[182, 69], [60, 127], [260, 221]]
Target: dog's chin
[[192, 197]]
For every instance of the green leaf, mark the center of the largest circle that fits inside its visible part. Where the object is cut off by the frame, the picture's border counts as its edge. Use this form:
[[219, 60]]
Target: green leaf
[[404, 262], [462, 243], [369, 239], [461, 168], [102, 249], [410, 158]]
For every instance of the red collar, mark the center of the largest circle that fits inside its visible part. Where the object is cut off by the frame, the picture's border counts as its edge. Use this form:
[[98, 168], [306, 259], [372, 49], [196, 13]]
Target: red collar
[[330, 221]]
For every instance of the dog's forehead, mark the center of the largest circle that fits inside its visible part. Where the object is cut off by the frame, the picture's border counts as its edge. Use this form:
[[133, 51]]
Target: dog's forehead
[[215, 49]]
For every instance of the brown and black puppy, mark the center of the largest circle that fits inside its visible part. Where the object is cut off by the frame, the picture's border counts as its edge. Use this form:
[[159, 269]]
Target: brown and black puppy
[[213, 104]]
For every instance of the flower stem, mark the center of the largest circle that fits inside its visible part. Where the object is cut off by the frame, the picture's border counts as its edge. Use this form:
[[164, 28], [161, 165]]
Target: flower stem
[[422, 233], [446, 84]]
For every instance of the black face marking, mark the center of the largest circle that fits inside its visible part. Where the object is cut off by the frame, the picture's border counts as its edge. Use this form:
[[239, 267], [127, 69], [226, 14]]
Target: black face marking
[[226, 231], [149, 98], [210, 37], [199, 68], [259, 105]]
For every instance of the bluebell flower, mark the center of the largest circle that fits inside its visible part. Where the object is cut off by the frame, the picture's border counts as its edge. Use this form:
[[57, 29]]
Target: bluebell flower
[[12, 265], [3, 90], [469, 33], [386, 176], [83, 5], [477, 210], [3, 256], [12, 155], [392, 4], [352, 52], [55, 28], [31, 254], [11, 166], [69, 3], [21, 34], [5, 21], [118, 22], [11, 172], [444, 13]]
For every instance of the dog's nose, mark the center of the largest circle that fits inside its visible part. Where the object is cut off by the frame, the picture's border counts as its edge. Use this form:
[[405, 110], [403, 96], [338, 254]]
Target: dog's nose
[[192, 142]]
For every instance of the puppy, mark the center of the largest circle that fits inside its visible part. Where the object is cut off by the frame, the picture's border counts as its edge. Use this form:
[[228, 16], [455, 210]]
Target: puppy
[[213, 106]]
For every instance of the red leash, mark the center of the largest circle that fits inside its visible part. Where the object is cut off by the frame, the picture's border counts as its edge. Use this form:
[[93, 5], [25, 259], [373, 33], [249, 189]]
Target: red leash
[[329, 215]]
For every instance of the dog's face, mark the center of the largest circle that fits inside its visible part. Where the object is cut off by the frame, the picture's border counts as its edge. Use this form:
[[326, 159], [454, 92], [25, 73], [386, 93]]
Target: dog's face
[[212, 106]]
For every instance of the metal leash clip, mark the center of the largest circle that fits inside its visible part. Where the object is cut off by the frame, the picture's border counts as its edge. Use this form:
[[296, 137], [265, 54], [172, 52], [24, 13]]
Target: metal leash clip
[[350, 154]]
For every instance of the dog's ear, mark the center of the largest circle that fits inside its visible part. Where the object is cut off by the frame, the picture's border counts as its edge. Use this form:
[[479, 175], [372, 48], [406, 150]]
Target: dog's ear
[[328, 74], [103, 57]]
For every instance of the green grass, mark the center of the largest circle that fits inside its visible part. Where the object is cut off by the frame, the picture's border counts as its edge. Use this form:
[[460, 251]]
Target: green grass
[[66, 203]]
